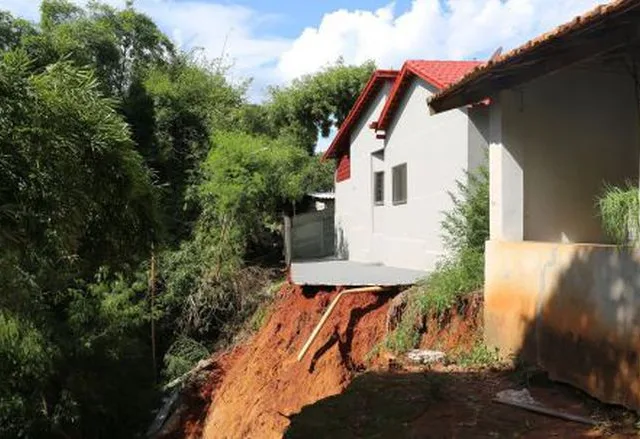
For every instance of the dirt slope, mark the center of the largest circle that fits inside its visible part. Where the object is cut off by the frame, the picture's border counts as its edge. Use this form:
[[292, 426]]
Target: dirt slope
[[259, 390], [265, 385]]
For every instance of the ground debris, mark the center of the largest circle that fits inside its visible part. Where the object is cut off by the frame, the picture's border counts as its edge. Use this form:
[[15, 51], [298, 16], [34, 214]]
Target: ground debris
[[425, 356], [521, 396], [523, 399]]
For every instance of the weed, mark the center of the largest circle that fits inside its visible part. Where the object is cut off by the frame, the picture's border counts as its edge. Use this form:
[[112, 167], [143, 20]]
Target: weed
[[466, 227], [479, 356]]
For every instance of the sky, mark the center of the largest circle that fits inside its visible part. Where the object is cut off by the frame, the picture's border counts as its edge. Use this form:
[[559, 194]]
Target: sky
[[275, 41]]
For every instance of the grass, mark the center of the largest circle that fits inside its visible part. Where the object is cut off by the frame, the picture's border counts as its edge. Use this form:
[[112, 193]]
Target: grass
[[439, 292], [620, 213], [480, 356], [465, 229]]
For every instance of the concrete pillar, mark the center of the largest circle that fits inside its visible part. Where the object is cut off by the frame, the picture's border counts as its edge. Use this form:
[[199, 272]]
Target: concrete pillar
[[506, 182]]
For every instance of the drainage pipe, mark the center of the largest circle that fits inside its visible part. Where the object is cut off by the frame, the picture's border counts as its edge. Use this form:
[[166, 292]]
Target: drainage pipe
[[329, 310]]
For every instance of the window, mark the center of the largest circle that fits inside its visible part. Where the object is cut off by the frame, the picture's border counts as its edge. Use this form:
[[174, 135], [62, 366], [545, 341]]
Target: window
[[378, 188], [399, 174]]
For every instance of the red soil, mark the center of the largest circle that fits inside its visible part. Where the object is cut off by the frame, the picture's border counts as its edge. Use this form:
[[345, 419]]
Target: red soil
[[265, 385], [188, 419], [259, 390], [457, 329]]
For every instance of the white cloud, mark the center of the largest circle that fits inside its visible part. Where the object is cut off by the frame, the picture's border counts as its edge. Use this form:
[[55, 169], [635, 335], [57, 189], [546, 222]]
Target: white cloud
[[430, 29], [216, 28], [221, 29]]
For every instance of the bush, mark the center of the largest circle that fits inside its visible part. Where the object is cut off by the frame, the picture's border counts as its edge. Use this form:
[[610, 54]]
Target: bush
[[480, 356], [466, 228], [619, 208], [183, 354]]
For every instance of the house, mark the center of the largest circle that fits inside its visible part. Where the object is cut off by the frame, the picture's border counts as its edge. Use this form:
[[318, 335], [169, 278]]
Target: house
[[564, 120], [395, 165]]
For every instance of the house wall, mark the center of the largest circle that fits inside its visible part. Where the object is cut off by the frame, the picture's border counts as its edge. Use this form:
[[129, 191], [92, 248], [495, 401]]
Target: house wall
[[478, 136], [435, 150], [573, 309], [569, 133], [353, 209]]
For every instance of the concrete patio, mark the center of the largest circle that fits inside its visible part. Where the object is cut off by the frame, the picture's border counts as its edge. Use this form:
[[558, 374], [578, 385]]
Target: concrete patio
[[350, 273]]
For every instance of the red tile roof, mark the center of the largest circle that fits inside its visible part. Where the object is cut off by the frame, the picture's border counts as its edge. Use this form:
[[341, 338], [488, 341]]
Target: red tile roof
[[440, 74], [533, 51], [340, 143]]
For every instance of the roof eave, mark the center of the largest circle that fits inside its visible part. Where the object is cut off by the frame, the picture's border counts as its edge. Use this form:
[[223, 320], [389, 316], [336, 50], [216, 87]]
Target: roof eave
[[598, 32], [352, 117]]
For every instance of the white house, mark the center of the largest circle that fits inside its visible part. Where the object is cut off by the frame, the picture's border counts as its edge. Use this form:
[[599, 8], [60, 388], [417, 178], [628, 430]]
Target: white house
[[396, 163], [564, 122]]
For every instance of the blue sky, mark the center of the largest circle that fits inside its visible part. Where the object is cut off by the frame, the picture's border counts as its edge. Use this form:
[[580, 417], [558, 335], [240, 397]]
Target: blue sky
[[275, 41], [296, 15]]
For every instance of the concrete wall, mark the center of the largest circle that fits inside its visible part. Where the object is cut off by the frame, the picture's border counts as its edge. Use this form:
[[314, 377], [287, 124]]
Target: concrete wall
[[436, 151], [479, 133], [568, 133], [354, 196], [574, 309]]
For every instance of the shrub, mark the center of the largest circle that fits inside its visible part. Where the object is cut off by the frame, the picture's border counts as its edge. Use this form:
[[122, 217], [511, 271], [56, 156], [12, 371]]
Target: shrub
[[183, 354], [480, 355], [620, 213], [466, 228]]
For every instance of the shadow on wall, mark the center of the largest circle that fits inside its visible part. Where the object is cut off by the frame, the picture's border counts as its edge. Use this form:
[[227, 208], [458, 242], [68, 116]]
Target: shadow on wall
[[342, 245], [585, 327]]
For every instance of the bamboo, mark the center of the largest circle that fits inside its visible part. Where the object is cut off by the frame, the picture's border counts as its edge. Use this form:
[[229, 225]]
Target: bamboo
[[152, 293], [328, 312]]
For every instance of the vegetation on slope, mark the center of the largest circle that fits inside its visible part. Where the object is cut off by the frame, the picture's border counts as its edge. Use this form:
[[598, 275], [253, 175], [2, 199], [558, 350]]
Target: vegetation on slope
[[466, 228]]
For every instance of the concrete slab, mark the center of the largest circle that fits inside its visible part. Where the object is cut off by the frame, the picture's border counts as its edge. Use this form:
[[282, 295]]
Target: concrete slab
[[350, 273]]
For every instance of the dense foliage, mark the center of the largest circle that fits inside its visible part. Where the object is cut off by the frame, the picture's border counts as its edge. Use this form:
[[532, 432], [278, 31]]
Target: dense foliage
[[138, 189]]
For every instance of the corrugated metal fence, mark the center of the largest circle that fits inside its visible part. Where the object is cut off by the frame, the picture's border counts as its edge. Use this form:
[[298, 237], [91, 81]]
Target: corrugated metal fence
[[311, 235]]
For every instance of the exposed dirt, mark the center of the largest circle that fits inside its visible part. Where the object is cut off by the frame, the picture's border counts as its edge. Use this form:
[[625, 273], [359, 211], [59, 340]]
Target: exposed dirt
[[187, 420], [457, 329], [261, 391], [449, 404], [267, 385]]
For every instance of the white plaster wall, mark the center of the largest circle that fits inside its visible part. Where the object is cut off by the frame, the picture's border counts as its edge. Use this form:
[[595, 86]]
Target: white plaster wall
[[353, 215], [478, 136], [436, 151], [570, 132]]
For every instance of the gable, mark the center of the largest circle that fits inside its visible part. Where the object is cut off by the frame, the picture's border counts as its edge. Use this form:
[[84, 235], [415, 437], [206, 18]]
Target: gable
[[438, 74], [340, 144]]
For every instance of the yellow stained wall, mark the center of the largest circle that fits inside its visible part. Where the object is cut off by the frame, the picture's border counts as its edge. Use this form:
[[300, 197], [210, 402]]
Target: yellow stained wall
[[574, 309]]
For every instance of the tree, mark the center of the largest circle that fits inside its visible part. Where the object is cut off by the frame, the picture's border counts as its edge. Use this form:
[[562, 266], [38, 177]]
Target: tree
[[316, 103], [75, 196], [191, 99], [118, 44]]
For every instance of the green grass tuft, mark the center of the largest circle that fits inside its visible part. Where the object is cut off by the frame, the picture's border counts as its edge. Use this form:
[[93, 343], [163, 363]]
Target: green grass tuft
[[480, 355], [620, 213]]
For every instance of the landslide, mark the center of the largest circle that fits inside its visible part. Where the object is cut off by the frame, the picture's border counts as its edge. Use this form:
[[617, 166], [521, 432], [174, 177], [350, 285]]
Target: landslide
[[265, 385]]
